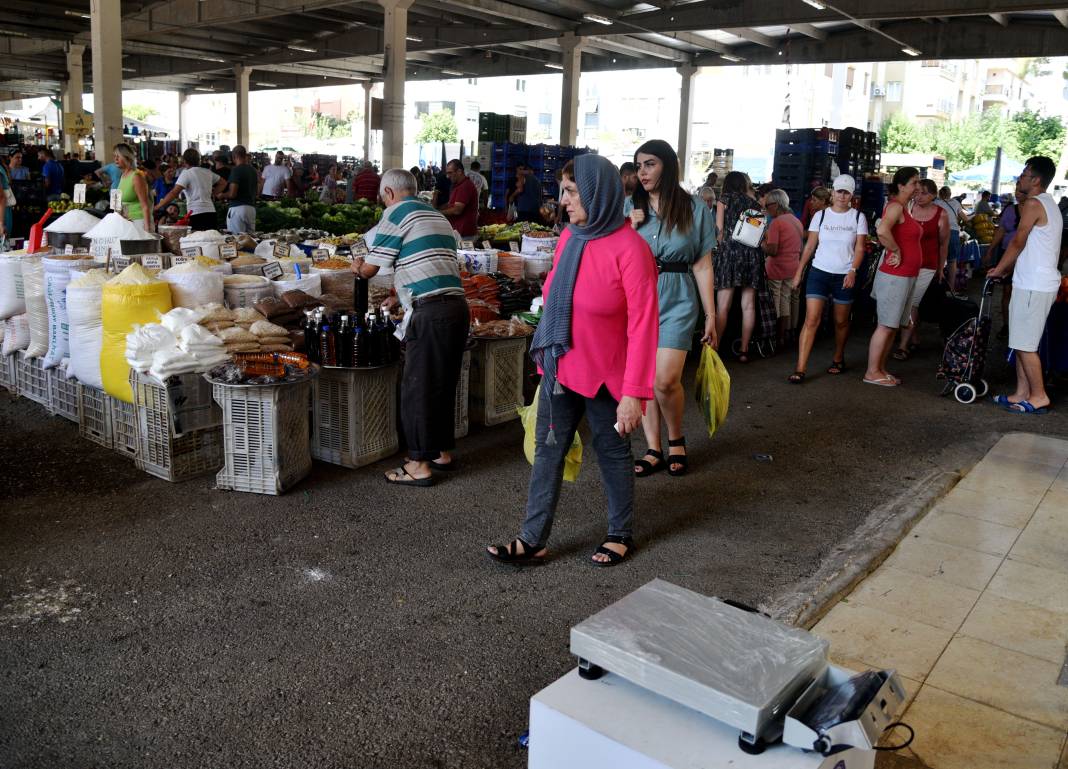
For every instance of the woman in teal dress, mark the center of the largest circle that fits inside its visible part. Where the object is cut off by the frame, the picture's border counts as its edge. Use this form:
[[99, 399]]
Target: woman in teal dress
[[681, 233], [7, 213]]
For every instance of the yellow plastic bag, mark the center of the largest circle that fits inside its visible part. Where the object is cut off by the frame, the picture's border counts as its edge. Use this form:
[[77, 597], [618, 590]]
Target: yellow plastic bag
[[124, 305], [713, 388], [529, 417]]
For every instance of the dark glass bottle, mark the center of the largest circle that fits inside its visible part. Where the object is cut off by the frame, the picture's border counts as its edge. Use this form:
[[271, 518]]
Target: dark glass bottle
[[327, 343], [344, 342], [359, 344], [374, 341], [311, 335]]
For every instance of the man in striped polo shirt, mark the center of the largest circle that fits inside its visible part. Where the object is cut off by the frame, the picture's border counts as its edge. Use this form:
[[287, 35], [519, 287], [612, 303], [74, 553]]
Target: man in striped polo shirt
[[417, 242]]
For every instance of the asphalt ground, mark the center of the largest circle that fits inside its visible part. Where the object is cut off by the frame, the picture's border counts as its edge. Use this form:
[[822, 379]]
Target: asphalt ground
[[350, 623]]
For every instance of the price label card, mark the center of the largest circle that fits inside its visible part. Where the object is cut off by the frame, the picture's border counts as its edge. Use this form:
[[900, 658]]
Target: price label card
[[320, 255], [513, 246], [359, 248], [68, 249], [116, 200], [183, 259], [272, 270], [467, 245], [193, 251], [152, 261], [228, 250], [281, 250], [487, 245], [79, 193], [330, 247]]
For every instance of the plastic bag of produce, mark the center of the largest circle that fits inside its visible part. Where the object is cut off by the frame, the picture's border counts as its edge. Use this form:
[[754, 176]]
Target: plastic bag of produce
[[16, 334], [529, 416], [311, 285], [339, 282], [131, 298], [36, 310], [713, 389], [12, 297], [245, 290], [57, 274], [84, 294], [192, 285]]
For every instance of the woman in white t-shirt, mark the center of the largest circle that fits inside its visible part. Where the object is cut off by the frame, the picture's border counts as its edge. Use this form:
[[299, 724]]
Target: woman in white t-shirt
[[276, 178], [836, 237], [198, 184]]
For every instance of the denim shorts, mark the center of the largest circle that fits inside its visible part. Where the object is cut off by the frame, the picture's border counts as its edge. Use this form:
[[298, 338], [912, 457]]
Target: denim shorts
[[954, 246], [822, 285]]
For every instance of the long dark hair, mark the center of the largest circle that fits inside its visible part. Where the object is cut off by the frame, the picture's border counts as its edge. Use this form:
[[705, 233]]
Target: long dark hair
[[676, 205], [901, 178], [736, 182]]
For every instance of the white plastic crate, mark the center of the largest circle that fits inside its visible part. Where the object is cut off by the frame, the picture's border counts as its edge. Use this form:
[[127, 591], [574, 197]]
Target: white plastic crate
[[463, 398], [94, 416], [497, 380], [64, 393], [32, 380], [9, 373], [265, 435], [123, 427], [354, 416], [179, 427]]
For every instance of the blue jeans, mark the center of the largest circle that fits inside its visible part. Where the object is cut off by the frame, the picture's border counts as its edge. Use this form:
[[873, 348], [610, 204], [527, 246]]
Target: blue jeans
[[954, 246], [613, 457]]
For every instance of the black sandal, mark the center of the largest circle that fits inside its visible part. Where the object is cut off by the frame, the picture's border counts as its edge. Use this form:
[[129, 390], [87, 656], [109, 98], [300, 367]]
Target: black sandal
[[447, 468], [644, 467], [508, 554], [836, 367], [796, 378], [404, 478], [676, 459], [900, 354], [743, 357], [614, 558]]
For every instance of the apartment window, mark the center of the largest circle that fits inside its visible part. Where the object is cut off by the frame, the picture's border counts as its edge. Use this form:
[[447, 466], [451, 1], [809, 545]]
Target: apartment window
[[893, 90], [866, 83], [472, 81], [521, 85], [850, 72], [592, 120], [545, 119], [422, 108], [828, 70]]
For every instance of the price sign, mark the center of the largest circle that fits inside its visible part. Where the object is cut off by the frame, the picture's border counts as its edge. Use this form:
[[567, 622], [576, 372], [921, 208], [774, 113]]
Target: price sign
[[228, 251], [513, 246], [116, 200], [329, 247], [193, 251], [175, 260], [79, 193], [152, 261], [487, 245], [359, 248], [320, 255], [467, 245], [272, 270], [68, 249], [281, 250]]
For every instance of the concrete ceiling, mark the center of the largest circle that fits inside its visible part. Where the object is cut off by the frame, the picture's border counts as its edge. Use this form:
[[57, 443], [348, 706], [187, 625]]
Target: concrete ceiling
[[193, 44]]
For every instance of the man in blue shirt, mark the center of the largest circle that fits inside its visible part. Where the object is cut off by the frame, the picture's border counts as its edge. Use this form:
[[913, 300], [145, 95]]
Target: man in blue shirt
[[51, 172], [113, 173]]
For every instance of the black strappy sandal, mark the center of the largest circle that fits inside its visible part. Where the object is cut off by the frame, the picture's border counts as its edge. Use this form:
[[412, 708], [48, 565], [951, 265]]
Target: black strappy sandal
[[644, 467], [837, 367], [508, 554], [796, 378], [614, 558], [676, 459]]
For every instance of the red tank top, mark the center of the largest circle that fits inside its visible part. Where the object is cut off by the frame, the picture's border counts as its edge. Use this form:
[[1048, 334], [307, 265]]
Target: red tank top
[[929, 240], [907, 233]]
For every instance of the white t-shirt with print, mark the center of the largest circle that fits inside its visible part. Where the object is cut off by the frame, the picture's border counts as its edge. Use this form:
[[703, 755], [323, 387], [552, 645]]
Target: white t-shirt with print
[[838, 237], [274, 180], [197, 184]]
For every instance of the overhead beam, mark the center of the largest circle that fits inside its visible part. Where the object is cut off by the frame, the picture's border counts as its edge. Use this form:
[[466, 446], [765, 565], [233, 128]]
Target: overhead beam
[[1000, 18], [1062, 17], [513, 12], [629, 45], [175, 15], [809, 30], [746, 33]]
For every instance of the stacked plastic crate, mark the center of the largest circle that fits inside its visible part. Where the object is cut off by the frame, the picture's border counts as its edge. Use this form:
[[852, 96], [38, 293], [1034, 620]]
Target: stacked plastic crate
[[858, 152], [506, 156], [545, 160], [803, 159]]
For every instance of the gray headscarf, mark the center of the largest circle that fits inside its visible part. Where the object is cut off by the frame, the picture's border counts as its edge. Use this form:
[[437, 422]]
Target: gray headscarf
[[601, 192]]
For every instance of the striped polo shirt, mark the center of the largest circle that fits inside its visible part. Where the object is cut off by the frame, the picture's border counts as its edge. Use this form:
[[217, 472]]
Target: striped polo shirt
[[417, 242]]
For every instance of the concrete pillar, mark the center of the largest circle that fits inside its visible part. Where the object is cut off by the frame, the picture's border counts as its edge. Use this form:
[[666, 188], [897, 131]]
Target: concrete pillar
[[241, 74], [183, 120], [367, 86], [569, 106], [106, 37], [72, 93], [686, 72], [395, 59]]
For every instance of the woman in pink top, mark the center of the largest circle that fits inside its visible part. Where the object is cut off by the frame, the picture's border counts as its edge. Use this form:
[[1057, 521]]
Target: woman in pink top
[[596, 348]]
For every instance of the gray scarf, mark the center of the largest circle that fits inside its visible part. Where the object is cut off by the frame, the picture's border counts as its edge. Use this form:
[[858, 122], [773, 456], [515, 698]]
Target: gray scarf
[[601, 192]]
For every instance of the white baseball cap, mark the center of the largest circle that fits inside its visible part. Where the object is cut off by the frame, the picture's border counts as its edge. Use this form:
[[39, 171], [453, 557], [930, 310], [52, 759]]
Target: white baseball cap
[[845, 182]]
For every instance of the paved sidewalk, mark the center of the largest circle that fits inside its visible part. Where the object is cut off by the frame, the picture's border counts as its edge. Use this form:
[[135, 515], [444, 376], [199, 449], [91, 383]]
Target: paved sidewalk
[[971, 609]]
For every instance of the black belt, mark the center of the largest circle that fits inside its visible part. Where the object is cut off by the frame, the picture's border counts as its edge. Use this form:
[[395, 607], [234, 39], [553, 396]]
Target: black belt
[[419, 302], [673, 266]]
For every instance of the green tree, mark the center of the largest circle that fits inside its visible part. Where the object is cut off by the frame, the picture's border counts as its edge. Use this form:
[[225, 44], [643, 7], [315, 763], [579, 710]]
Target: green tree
[[975, 139], [329, 127], [1038, 135], [899, 134], [140, 112], [439, 126]]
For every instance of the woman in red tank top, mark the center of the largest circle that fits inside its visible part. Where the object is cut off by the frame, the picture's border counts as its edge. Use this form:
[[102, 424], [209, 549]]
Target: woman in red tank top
[[900, 234], [934, 244]]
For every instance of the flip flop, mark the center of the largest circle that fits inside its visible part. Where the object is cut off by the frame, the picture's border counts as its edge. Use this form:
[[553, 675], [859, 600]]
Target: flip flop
[[448, 468], [404, 478], [884, 382], [1002, 400], [837, 367], [796, 378], [900, 354], [1024, 407]]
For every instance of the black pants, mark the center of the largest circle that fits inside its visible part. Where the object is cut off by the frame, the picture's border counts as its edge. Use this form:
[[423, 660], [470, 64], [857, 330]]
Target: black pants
[[202, 222], [434, 355]]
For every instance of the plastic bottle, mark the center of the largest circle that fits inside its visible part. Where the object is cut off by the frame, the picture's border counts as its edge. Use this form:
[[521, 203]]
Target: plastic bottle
[[327, 343], [359, 344], [311, 335], [344, 342], [374, 345]]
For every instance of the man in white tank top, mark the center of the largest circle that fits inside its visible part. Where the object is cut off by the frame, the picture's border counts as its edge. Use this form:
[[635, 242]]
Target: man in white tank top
[[1031, 257]]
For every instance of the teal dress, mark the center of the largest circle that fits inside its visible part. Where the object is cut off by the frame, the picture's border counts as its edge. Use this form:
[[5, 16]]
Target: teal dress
[[5, 184], [680, 304]]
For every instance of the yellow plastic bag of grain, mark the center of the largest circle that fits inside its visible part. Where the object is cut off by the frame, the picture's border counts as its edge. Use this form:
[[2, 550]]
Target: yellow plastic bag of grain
[[529, 416], [713, 389], [133, 297]]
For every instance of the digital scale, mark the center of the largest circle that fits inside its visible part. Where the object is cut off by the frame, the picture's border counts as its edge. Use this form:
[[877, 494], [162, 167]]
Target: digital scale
[[670, 678]]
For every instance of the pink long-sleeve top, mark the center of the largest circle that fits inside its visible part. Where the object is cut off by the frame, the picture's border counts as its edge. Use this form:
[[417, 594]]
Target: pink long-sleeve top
[[615, 320]]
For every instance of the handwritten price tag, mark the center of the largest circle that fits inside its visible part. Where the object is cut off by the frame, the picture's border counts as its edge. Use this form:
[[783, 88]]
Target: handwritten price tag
[[272, 270], [79, 193], [152, 261], [193, 251], [359, 248], [467, 245], [513, 246], [68, 249], [281, 250], [183, 259], [228, 251], [320, 255], [116, 200], [486, 245]]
